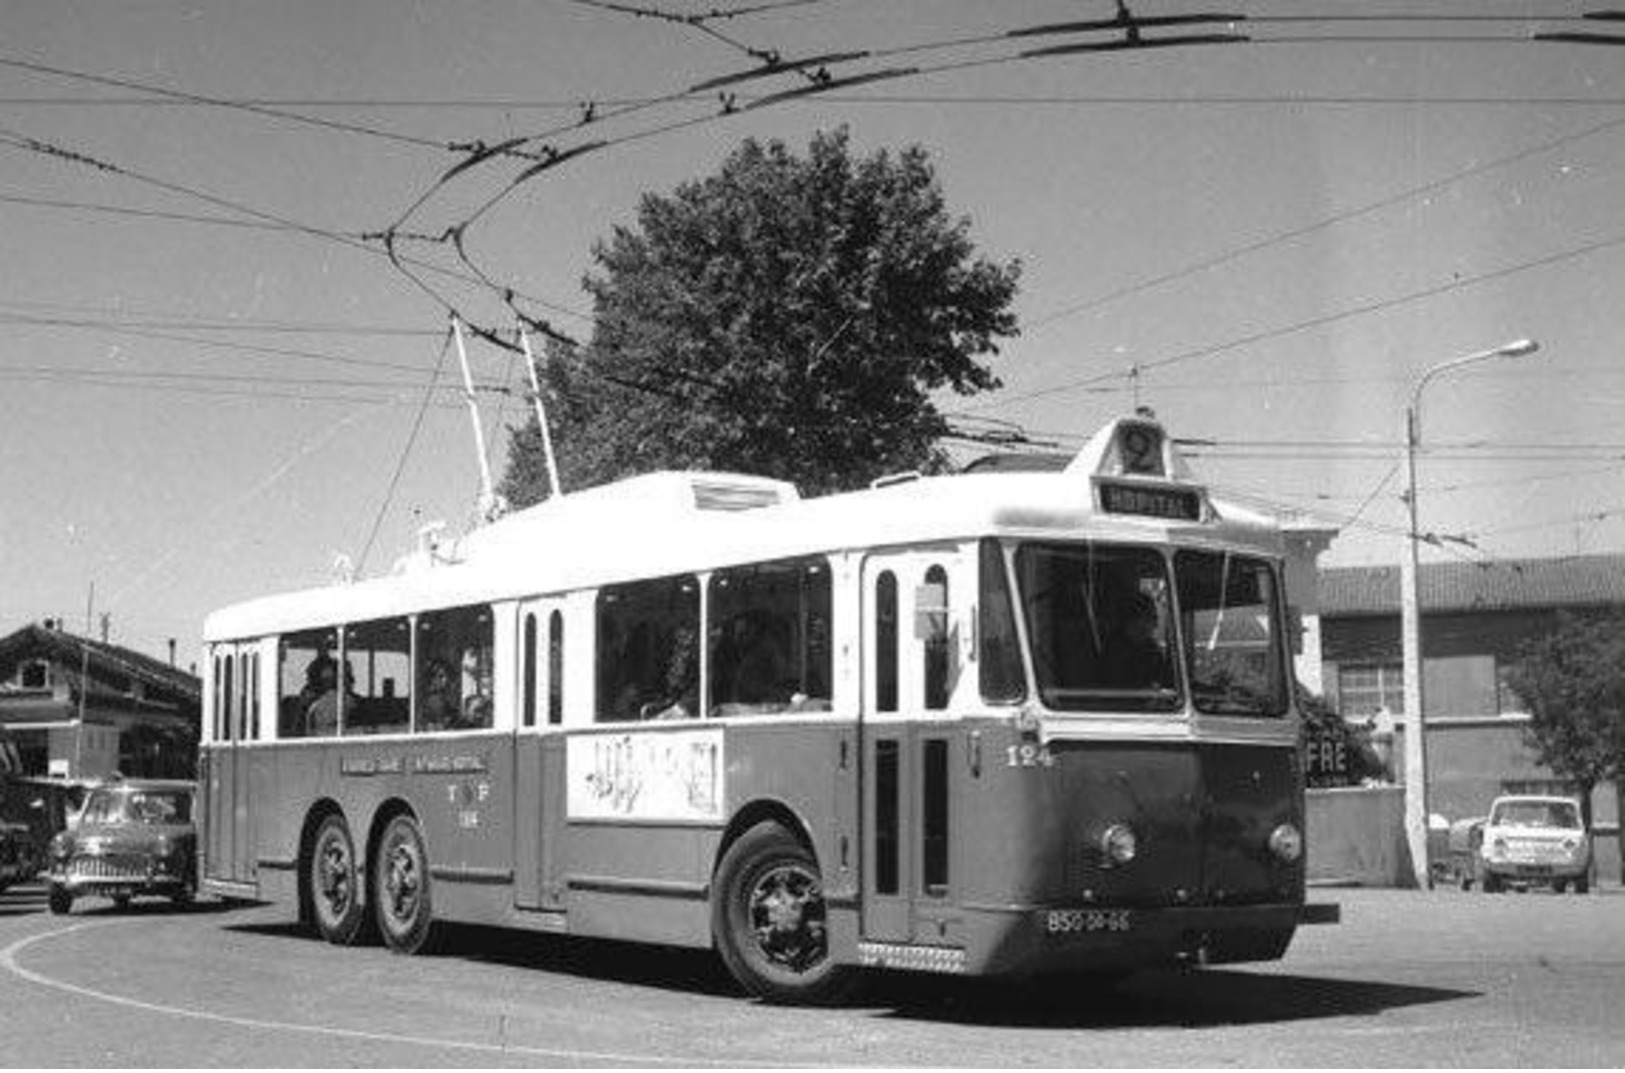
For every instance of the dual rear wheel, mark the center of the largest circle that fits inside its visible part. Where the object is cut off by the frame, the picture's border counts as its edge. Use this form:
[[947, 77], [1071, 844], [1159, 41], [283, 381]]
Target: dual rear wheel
[[339, 888]]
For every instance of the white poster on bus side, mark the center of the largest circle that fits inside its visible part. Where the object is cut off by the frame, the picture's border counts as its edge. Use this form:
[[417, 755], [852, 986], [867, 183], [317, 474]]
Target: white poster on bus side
[[646, 775]]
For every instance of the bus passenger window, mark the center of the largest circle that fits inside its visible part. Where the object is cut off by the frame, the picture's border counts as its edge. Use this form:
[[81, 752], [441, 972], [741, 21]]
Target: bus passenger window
[[938, 653], [309, 670], [555, 668], [769, 643], [378, 677], [454, 671], [886, 642], [527, 672], [648, 650]]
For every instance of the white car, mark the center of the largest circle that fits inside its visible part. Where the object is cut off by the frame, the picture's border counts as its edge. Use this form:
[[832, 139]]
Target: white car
[[1531, 840]]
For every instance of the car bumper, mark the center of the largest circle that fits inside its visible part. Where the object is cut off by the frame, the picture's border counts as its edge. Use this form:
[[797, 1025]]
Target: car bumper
[[107, 879], [1543, 872]]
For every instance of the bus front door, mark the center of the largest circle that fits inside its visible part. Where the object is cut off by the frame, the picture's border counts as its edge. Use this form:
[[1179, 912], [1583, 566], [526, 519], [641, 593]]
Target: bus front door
[[908, 663]]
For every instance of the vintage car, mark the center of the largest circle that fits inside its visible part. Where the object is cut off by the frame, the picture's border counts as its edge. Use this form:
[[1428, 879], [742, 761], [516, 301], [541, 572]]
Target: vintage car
[[1533, 840], [132, 837]]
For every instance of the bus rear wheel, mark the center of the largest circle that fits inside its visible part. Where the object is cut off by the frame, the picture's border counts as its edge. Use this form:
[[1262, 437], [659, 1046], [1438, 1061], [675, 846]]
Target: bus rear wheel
[[400, 891], [769, 919], [335, 890]]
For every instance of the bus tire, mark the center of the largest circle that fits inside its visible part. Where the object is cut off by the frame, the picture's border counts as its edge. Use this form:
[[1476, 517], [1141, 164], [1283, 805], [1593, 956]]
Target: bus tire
[[769, 920], [335, 887], [401, 891]]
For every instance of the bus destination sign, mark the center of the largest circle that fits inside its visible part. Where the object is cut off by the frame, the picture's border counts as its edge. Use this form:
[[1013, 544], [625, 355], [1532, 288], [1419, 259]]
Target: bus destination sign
[[1179, 504]]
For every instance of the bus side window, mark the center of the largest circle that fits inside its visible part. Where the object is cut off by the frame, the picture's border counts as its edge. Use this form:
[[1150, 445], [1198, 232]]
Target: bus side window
[[934, 637], [555, 668], [769, 644], [886, 642], [998, 654], [527, 671], [455, 651], [308, 670], [648, 650], [378, 677]]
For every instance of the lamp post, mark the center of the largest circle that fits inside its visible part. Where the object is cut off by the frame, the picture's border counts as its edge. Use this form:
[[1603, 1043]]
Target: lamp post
[[1416, 803]]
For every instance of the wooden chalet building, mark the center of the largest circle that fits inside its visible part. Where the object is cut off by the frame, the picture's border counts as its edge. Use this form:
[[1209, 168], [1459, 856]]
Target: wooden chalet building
[[73, 707]]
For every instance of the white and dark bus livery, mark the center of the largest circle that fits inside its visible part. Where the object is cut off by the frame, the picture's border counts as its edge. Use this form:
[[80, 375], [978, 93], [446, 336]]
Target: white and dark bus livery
[[1001, 722]]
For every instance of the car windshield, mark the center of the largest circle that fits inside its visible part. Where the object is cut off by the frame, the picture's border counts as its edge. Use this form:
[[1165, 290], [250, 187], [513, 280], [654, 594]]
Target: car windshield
[[1230, 611], [1536, 814], [138, 806], [1101, 626]]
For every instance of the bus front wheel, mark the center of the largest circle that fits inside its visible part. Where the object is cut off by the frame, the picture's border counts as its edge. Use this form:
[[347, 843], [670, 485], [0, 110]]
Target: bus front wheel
[[400, 892], [768, 917], [335, 890]]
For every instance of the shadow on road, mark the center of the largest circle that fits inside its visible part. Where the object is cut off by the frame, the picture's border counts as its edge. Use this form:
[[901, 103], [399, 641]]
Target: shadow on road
[[1189, 999]]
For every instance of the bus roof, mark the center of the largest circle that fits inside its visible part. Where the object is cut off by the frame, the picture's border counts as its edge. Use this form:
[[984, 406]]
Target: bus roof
[[675, 522]]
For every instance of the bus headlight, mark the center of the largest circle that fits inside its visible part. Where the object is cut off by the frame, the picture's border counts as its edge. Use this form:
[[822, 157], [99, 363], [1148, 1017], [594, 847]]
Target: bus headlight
[[1118, 844], [1286, 842]]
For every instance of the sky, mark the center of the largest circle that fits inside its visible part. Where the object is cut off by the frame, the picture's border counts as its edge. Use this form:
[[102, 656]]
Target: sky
[[213, 376]]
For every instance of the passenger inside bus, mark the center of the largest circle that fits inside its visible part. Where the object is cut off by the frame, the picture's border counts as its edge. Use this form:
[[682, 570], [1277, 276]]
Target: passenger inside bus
[[1130, 655], [322, 716]]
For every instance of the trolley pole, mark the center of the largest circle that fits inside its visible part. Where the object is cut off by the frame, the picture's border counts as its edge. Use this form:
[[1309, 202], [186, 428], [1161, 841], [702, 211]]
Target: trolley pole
[[1410, 616], [488, 498], [553, 488]]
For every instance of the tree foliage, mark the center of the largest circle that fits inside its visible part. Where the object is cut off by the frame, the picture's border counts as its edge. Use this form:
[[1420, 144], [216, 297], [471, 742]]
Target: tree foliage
[[788, 316], [1573, 682]]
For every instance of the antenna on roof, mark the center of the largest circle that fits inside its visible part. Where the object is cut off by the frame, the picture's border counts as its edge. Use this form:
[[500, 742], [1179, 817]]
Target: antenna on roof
[[490, 505], [553, 488]]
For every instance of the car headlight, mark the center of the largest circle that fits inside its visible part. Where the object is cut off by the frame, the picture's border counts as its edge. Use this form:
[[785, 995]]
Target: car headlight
[[62, 846]]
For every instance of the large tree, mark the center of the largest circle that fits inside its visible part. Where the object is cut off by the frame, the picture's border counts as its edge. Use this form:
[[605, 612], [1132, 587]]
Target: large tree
[[1572, 680], [788, 316]]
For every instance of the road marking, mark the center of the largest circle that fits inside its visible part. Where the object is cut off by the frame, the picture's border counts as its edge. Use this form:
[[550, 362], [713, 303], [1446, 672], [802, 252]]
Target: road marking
[[8, 960]]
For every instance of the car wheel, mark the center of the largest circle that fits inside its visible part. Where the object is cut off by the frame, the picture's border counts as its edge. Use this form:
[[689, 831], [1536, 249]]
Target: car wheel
[[1560, 886], [121, 902], [401, 889], [1492, 883], [60, 900], [1582, 885], [334, 881], [768, 917]]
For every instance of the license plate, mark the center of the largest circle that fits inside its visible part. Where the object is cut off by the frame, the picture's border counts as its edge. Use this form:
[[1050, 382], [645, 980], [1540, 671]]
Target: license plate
[[1066, 921]]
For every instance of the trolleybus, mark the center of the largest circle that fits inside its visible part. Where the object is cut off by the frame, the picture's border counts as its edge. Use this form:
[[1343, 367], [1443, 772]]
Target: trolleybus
[[991, 723]]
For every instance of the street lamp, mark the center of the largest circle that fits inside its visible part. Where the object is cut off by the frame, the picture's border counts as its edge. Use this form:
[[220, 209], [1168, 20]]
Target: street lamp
[[1416, 801]]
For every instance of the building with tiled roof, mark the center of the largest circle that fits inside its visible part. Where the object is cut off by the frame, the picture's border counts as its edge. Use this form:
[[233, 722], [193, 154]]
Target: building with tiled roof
[[75, 707], [1476, 621]]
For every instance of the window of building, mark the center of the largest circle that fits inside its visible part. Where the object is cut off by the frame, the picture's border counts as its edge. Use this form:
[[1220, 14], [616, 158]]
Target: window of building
[[1507, 700], [648, 650], [770, 638], [34, 674], [377, 696], [454, 671], [1364, 689], [308, 672]]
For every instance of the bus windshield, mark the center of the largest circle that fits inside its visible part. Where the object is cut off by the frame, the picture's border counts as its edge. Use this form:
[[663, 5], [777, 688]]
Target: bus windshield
[[1230, 616], [1100, 623]]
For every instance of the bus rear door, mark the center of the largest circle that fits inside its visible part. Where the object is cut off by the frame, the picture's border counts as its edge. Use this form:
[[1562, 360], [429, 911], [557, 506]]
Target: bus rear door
[[230, 848]]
